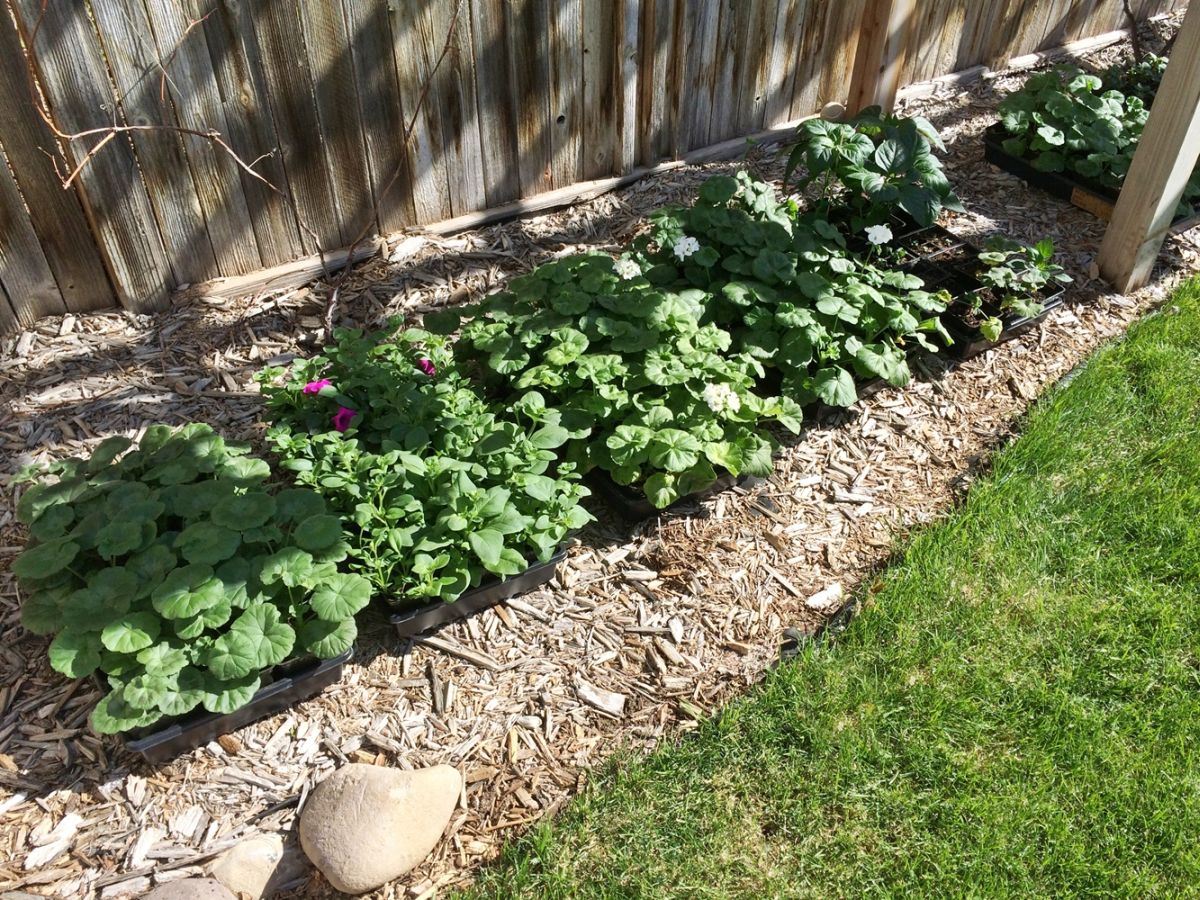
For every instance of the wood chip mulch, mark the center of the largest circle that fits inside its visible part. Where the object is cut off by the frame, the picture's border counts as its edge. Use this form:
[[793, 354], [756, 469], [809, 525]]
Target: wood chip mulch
[[642, 634]]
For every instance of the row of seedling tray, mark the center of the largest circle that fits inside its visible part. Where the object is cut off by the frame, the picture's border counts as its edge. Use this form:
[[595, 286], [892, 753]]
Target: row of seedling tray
[[937, 256]]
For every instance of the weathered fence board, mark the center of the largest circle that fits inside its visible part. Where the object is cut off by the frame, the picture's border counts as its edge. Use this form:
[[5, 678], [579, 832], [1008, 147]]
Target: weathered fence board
[[314, 96]]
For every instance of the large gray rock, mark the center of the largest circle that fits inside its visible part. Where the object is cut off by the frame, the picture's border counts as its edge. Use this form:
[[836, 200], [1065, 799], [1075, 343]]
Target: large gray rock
[[259, 866], [190, 889], [364, 825]]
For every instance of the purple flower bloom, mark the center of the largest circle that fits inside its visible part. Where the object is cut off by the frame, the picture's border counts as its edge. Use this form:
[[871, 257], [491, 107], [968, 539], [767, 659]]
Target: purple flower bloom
[[427, 367], [343, 417], [314, 387]]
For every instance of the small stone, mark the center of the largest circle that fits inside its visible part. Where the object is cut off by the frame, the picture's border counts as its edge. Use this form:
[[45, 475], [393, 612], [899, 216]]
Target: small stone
[[190, 889], [833, 112], [826, 600], [248, 867], [364, 826]]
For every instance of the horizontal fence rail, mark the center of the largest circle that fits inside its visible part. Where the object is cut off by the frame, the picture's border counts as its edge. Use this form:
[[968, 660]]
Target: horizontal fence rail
[[149, 144]]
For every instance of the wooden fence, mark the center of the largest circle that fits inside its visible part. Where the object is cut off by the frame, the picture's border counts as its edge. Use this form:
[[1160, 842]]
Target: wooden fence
[[534, 95]]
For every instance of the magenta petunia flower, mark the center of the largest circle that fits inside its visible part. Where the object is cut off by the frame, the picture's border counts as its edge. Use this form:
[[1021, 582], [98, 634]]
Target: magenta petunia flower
[[427, 366], [314, 387], [343, 417]]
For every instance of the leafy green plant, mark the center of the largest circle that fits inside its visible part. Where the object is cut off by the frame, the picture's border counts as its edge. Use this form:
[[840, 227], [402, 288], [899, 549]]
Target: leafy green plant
[[789, 292], [1018, 275], [866, 168], [443, 488], [1140, 79], [644, 390], [177, 573]]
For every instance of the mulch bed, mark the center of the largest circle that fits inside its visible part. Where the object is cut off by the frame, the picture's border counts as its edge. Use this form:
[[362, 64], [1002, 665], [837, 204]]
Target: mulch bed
[[676, 616]]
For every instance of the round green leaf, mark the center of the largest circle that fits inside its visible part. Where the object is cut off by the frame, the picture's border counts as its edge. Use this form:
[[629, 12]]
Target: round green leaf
[[191, 501], [120, 536], [244, 511], [75, 654], [227, 695], [131, 633], [341, 597], [149, 566], [90, 610], [182, 693], [206, 543], [327, 639], [298, 504], [114, 582], [233, 655], [272, 638], [44, 560], [163, 659], [42, 611], [318, 533], [112, 715], [186, 591], [145, 691], [52, 524], [289, 565], [245, 472]]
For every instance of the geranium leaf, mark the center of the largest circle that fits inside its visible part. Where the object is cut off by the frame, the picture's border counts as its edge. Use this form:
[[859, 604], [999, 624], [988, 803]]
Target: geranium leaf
[[44, 560], [325, 639], [180, 594], [207, 543], [42, 611], [162, 659], [271, 638], [144, 691], [131, 633], [245, 471], [119, 537], [289, 566], [318, 533], [74, 653], [298, 504], [244, 511], [341, 597], [112, 715], [181, 693], [227, 695], [232, 655], [660, 490]]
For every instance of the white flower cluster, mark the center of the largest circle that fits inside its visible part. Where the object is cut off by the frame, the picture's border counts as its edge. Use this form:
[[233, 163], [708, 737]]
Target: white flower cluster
[[685, 247], [879, 234], [627, 268], [721, 397]]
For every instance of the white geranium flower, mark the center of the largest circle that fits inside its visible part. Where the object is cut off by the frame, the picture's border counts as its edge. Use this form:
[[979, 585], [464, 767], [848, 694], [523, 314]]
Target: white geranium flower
[[878, 234], [685, 247], [627, 268], [721, 397]]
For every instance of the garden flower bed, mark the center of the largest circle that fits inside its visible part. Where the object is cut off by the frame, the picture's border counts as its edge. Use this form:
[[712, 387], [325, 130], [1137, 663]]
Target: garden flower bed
[[666, 621]]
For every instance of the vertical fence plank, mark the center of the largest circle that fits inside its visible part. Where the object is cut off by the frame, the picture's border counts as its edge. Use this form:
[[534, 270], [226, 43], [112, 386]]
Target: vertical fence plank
[[452, 96], [339, 128], [236, 63], [806, 84], [626, 36], [496, 102], [566, 93], [730, 63], [382, 119], [656, 38], [136, 72], [785, 49], [56, 215], [700, 72], [879, 56], [280, 50], [24, 271], [599, 98], [188, 80], [72, 72]]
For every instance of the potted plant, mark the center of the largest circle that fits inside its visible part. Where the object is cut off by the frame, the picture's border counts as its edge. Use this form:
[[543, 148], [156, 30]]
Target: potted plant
[[443, 491], [179, 576]]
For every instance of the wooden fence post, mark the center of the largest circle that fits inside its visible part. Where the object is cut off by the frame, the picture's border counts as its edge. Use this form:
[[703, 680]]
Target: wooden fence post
[[1165, 158], [879, 59]]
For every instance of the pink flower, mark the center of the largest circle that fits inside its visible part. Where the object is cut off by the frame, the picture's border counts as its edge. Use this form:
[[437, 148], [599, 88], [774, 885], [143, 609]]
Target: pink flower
[[314, 387], [427, 367], [343, 417]]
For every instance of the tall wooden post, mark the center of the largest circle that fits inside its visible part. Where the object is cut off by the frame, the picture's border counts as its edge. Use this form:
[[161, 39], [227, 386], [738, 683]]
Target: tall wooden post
[[882, 44], [1165, 158]]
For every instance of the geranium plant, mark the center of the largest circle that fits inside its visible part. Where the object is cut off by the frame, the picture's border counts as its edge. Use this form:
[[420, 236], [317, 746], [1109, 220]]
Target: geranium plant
[[178, 574], [789, 292], [443, 489], [864, 169], [646, 391]]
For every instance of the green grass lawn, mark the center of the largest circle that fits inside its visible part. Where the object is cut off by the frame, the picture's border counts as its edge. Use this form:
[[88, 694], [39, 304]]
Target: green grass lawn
[[1015, 713]]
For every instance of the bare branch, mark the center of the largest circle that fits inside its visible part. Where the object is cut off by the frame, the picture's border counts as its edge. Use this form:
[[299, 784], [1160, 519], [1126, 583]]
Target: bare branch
[[1133, 31]]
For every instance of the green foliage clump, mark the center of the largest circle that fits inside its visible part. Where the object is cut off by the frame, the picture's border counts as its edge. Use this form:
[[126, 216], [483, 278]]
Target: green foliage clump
[[1140, 79], [443, 489], [645, 389], [175, 571], [870, 166]]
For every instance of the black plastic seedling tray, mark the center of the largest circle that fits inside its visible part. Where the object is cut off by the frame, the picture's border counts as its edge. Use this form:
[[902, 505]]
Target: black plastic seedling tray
[[1088, 196], [285, 684], [968, 342], [633, 506], [413, 621]]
